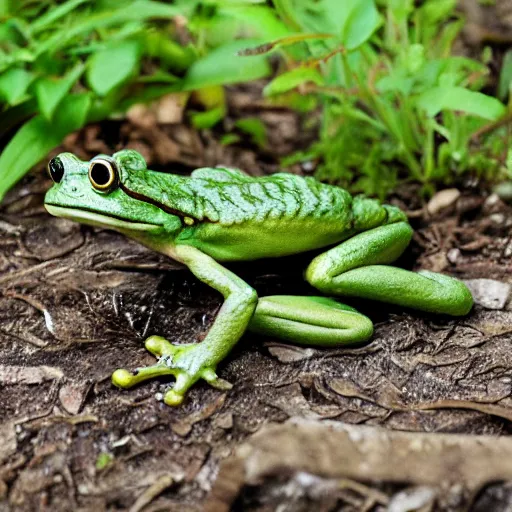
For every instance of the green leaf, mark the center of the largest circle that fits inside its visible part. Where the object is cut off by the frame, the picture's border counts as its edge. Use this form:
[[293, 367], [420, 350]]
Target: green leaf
[[111, 67], [505, 76], [208, 119], [254, 21], [292, 79], [223, 66], [54, 14], [138, 10], [50, 92], [361, 22], [353, 21], [103, 460], [434, 11], [4, 8], [437, 99], [255, 128], [37, 137], [13, 85], [415, 58]]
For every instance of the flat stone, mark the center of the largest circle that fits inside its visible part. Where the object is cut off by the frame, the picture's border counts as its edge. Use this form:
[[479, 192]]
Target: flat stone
[[489, 293]]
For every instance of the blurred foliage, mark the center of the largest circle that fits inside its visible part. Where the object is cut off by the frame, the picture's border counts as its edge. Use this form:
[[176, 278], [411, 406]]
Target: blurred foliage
[[64, 64], [395, 101]]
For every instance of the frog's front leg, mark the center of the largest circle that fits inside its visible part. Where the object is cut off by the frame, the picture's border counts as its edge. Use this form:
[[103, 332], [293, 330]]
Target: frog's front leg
[[359, 268], [189, 363]]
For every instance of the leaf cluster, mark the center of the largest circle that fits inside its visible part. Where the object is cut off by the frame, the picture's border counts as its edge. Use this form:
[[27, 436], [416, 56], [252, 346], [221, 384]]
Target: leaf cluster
[[67, 63], [396, 101]]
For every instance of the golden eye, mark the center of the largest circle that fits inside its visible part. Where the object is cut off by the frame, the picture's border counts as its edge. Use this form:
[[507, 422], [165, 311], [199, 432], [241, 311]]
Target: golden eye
[[103, 174]]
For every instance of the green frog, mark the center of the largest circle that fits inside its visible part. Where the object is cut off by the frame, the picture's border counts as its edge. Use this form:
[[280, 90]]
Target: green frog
[[219, 215]]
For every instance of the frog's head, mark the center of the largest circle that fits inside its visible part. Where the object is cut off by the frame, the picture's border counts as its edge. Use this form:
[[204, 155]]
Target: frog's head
[[93, 193]]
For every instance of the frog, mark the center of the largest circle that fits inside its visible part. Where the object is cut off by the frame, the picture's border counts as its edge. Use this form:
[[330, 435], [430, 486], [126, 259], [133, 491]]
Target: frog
[[216, 216]]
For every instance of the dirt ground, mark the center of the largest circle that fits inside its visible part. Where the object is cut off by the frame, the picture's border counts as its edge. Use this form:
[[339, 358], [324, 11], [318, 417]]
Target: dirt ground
[[76, 303]]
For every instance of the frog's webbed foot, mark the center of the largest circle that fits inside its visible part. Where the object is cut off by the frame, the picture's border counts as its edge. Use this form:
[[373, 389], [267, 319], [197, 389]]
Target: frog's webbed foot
[[187, 363]]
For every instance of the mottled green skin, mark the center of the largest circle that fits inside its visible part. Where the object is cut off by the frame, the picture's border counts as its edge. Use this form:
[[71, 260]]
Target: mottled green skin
[[236, 217], [220, 215]]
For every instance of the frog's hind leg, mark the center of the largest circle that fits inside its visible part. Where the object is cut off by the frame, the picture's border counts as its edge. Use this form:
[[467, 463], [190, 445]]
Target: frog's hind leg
[[310, 321], [359, 267]]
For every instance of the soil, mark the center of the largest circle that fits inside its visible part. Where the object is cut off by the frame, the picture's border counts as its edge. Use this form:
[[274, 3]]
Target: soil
[[76, 303]]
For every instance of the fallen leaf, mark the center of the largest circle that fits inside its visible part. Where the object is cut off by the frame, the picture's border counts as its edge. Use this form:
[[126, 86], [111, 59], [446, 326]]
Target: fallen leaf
[[28, 374], [183, 426]]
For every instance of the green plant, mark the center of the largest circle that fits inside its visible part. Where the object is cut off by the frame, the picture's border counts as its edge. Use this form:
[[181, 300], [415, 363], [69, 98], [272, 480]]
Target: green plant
[[395, 101], [64, 64]]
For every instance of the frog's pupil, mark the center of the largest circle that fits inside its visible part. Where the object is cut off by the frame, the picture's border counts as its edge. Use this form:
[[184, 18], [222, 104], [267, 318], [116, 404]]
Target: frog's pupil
[[101, 174], [56, 169]]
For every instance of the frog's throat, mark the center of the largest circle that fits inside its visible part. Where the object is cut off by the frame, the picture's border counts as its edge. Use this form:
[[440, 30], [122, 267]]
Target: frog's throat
[[97, 219]]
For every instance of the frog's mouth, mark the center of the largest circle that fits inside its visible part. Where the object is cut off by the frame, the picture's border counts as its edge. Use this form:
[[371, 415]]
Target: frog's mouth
[[100, 220]]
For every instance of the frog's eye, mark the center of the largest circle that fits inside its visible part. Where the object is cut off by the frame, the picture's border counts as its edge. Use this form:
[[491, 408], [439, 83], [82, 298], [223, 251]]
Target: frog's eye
[[103, 174], [56, 169]]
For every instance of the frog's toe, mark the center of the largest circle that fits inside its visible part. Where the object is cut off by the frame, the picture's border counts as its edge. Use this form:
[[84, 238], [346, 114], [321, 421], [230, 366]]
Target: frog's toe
[[123, 378], [175, 395], [211, 377], [159, 346], [126, 379]]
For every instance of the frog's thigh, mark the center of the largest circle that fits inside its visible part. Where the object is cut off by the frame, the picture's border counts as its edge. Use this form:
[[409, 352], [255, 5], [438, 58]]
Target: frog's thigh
[[310, 321], [358, 268]]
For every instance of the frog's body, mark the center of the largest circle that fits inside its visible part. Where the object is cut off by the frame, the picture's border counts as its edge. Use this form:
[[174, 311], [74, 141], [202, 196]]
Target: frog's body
[[223, 215]]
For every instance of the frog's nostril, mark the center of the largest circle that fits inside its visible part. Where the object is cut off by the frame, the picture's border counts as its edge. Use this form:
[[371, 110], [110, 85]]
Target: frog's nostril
[[74, 189]]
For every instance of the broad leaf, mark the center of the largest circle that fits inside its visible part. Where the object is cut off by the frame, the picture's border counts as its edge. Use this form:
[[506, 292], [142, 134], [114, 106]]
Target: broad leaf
[[261, 21], [139, 10], [352, 21], [111, 67], [50, 92], [437, 99], [54, 14], [223, 66], [359, 23], [38, 136], [291, 79], [13, 85]]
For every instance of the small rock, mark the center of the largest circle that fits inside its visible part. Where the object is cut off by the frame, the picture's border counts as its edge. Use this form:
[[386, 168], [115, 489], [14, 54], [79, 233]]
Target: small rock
[[489, 293], [289, 353], [497, 218], [442, 200], [224, 421], [504, 191], [72, 396], [492, 200], [413, 499], [453, 255]]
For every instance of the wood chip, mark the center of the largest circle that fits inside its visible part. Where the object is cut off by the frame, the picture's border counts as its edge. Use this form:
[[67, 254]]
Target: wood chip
[[8, 442], [28, 374], [184, 426], [362, 453], [442, 200], [152, 492]]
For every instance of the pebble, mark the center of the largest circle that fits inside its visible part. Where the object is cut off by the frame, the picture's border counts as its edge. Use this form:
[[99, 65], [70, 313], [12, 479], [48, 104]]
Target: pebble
[[489, 293]]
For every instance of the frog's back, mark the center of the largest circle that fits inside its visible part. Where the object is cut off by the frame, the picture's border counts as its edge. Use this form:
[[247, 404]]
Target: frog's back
[[230, 197], [227, 196], [236, 216]]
